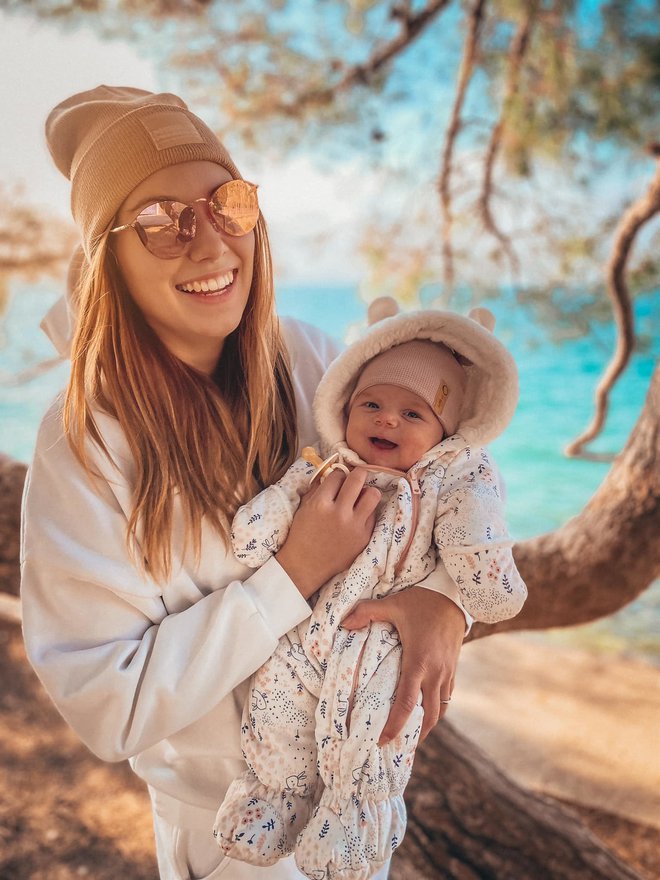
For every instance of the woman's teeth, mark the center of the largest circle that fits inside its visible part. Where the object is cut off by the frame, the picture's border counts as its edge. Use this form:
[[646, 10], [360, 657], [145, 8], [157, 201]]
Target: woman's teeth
[[209, 285]]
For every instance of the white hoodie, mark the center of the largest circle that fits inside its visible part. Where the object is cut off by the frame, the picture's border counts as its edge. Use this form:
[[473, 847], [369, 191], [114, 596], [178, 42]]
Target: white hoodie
[[142, 670]]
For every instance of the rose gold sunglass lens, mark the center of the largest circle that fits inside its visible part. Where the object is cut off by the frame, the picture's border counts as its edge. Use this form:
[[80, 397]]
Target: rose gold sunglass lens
[[235, 207], [166, 228]]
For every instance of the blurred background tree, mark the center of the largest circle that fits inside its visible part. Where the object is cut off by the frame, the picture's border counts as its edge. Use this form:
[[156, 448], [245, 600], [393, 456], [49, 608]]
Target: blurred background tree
[[510, 138], [32, 242]]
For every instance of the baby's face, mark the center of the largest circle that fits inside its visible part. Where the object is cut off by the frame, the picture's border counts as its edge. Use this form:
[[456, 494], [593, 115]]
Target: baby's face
[[391, 427]]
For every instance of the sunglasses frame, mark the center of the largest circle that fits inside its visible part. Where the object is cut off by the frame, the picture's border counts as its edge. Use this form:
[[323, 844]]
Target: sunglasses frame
[[208, 200]]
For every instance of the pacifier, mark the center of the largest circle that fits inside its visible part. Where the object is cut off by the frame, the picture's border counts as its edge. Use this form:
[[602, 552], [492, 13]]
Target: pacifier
[[323, 467]]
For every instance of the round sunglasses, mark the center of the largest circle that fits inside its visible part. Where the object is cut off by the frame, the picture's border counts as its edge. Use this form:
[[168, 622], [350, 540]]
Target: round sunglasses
[[166, 227]]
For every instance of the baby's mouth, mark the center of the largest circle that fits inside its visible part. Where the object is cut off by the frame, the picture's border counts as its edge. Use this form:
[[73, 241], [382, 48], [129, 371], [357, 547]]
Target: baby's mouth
[[381, 443]]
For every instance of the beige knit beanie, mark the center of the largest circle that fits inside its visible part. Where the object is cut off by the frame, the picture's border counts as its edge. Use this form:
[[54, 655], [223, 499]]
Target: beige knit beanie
[[426, 368], [111, 138]]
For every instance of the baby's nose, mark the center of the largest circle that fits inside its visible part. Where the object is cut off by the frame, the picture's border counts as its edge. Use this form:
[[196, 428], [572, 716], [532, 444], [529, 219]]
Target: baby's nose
[[386, 418]]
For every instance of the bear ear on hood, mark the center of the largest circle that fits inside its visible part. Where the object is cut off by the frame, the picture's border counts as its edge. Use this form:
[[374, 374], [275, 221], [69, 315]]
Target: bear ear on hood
[[382, 307], [484, 317], [386, 307]]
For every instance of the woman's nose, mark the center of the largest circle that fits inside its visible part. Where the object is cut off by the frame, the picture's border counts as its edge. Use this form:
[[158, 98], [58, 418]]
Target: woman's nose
[[208, 243]]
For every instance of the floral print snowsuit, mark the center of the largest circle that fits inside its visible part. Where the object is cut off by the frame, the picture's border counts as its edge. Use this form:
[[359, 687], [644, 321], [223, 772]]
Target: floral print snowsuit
[[317, 781]]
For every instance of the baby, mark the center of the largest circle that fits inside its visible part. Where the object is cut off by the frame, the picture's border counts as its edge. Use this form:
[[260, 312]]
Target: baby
[[413, 401]]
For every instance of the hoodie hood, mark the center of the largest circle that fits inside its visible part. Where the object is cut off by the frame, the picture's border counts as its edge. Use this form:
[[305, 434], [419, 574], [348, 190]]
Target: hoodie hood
[[59, 321], [491, 392]]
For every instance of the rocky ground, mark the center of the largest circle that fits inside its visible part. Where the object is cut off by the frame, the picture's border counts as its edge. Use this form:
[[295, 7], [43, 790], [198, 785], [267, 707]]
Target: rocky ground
[[65, 815]]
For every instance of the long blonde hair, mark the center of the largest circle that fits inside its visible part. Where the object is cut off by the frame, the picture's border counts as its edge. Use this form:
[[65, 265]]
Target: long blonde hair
[[213, 442]]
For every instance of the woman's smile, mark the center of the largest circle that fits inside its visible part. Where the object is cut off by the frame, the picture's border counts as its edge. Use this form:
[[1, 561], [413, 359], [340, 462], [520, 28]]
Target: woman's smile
[[209, 285]]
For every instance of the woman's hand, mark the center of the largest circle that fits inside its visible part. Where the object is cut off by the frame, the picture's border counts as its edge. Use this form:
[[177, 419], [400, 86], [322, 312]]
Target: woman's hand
[[431, 628], [331, 527]]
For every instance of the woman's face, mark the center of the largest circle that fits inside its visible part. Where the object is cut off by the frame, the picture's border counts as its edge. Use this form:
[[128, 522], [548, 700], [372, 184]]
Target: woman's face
[[192, 324]]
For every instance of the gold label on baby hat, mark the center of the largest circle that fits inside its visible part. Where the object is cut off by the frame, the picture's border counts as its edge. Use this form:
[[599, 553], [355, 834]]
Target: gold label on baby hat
[[167, 129], [441, 398]]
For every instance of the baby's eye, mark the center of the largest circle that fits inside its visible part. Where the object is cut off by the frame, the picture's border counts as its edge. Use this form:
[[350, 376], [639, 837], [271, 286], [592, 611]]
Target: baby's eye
[[369, 404], [411, 414]]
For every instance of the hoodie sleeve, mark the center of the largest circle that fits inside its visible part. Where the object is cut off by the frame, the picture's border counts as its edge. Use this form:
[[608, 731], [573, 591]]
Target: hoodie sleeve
[[473, 542], [261, 526], [127, 660]]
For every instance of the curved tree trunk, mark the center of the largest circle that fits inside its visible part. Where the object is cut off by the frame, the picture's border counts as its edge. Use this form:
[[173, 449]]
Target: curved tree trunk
[[469, 821], [606, 556]]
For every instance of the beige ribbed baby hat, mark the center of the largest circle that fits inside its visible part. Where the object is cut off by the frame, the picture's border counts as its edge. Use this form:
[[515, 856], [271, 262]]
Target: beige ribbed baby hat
[[111, 138], [426, 368]]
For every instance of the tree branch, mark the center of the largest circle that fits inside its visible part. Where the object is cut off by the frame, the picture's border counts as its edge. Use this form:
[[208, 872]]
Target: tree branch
[[469, 821], [632, 221], [517, 50], [412, 25], [466, 69]]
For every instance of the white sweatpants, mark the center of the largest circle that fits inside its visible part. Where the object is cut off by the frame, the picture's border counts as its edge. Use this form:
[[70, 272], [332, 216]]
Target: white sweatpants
[[190, 852]]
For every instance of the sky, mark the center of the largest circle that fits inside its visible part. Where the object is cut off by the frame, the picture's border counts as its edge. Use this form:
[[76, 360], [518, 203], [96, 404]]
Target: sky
[[41, 65]]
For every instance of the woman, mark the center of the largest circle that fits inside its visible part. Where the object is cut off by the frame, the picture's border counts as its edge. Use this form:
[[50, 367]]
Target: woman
[[185, 398]]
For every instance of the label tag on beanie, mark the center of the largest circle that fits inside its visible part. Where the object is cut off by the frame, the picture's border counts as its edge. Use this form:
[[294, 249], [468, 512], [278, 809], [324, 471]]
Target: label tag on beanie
[[441, 398], [167, 129]]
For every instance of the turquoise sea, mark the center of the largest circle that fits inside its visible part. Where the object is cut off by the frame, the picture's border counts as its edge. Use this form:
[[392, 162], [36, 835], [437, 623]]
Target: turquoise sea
[[557, 382]]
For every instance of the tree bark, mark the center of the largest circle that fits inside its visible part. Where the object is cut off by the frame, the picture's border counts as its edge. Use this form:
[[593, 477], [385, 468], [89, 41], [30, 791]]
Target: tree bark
[[469, 821], [12, 477]]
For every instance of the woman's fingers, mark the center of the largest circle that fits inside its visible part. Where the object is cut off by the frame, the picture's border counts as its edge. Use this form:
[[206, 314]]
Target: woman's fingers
[[328, 489], [331, 527], [407, 693], [363, 614], [431, 628], [366, 505]]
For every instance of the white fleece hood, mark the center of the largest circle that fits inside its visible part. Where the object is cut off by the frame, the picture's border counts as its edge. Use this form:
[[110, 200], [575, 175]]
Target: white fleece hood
[[491, 393]]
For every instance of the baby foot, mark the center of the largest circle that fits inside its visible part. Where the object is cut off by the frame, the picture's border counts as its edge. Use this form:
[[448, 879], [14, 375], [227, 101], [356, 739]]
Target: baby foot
[[257, 825], [351, 840]]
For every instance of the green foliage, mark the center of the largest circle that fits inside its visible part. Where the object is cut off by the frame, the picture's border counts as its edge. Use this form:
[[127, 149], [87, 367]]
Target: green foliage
[[556, 112]]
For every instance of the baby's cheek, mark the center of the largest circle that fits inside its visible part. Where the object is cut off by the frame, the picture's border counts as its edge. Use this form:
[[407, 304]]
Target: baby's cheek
[[353, 433]]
